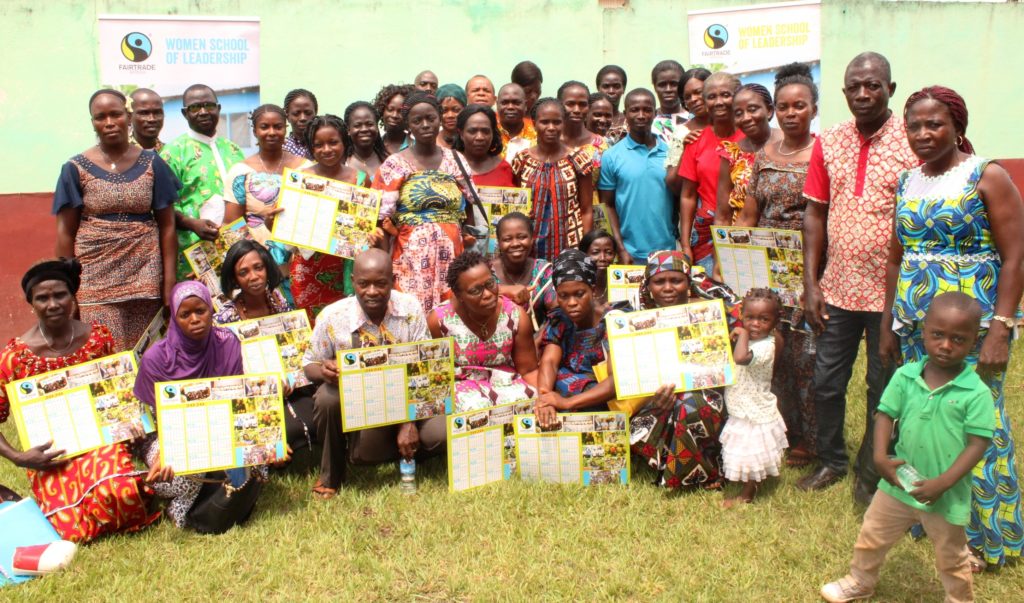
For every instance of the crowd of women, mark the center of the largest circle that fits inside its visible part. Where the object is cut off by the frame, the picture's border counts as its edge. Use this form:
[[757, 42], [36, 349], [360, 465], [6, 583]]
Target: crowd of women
[[530, 319]]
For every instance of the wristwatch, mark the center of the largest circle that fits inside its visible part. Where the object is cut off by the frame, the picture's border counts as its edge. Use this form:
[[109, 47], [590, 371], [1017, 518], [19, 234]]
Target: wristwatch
[[1009, 322]]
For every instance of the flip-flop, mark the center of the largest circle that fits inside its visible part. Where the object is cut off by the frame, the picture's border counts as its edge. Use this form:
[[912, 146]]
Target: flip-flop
[[797, 461]]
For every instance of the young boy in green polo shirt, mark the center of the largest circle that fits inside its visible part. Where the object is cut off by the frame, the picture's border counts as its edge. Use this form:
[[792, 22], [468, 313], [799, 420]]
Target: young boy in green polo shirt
[[946, 419]]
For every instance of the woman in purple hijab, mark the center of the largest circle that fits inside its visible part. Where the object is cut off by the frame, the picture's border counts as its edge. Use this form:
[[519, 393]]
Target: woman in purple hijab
[[193, 349]]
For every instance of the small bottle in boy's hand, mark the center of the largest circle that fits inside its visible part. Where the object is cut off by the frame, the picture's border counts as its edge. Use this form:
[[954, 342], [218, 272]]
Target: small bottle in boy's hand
[[908, 476]]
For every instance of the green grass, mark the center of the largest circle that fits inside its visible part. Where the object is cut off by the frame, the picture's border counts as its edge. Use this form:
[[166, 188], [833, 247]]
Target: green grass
[[510, 542]]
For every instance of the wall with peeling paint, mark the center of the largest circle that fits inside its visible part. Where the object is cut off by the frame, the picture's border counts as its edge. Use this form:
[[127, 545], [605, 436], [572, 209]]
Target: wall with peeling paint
[[344, 50]]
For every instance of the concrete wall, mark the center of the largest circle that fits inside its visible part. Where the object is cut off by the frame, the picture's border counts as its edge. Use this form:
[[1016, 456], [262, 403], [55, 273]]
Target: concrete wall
[[344, 50]]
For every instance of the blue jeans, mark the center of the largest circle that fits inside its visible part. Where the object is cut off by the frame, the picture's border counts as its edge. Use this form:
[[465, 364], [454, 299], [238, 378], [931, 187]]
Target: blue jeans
[[837, 349]]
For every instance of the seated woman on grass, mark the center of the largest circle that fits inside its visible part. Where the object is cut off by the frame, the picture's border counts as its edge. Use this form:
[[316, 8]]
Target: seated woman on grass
[[573, 343], [495, 357], [193, 349], [677, 433]]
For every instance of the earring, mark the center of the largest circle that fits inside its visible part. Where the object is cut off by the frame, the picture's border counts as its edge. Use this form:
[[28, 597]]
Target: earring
[[959, 141]]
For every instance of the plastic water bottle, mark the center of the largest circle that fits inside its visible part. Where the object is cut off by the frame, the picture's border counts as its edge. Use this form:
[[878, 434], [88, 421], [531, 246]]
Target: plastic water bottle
[[407, 470], [810, 340], [907, 476]]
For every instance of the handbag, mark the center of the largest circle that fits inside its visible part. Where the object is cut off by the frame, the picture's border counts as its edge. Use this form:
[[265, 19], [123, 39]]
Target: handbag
[[480, 233], [224, 502]]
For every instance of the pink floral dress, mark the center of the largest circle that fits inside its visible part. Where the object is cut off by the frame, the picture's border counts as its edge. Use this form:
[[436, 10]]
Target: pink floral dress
[[485, 371]]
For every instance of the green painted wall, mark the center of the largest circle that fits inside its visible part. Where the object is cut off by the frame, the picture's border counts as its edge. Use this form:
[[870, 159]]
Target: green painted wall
[[345, 49]]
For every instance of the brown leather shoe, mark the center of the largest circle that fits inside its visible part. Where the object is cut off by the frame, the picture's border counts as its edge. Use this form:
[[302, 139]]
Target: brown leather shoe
[[822, 478]]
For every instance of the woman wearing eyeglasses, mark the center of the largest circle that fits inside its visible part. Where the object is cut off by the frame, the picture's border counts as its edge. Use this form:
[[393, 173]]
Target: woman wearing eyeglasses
[[495, 357]]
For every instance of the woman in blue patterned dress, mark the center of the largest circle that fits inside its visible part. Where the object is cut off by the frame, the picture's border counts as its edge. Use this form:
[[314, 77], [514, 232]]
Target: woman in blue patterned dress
[[958, 225]]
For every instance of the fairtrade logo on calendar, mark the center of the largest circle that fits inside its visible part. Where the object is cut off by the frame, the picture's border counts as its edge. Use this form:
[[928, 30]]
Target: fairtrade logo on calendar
[[349, 360], [169, 392]]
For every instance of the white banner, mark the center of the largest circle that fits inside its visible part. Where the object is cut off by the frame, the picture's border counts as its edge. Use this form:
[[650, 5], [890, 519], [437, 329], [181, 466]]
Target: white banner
[[752, 42], [168, 54], [756, 38]]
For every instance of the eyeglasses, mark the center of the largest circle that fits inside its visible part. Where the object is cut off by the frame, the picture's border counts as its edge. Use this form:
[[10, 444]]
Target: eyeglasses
[[195, 108], [491, 285]]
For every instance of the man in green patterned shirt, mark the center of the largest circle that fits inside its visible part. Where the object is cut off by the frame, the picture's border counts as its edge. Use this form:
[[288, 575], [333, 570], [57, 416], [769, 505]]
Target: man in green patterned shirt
[[201, 160]]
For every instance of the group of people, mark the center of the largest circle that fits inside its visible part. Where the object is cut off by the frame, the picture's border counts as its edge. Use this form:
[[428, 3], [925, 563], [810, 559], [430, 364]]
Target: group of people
[[909, 239]]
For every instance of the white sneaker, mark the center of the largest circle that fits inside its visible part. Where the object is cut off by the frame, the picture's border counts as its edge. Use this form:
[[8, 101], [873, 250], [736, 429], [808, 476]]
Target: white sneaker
[[843, 590]]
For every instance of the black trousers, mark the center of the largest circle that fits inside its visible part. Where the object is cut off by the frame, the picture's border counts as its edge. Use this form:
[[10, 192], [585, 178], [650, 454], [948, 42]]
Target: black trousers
[[837, 349]]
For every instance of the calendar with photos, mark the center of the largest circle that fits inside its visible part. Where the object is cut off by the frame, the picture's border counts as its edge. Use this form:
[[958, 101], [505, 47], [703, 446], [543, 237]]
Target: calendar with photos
[[325, 215], [275, 344], [686, 345], [210, 424], [587, 448], [482, 445], [206, 258], [81, 407], [397, 383]]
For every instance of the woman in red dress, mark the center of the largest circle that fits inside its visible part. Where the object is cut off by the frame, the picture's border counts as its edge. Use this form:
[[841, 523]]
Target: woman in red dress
[[95, 493]]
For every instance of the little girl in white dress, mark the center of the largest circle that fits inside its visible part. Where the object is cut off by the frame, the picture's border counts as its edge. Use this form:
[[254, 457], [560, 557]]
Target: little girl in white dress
[[754, 436]]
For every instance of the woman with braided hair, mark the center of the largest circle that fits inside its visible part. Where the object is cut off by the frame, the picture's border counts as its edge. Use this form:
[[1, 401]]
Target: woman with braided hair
[[388, 104], [320, 279], [364, 148], [560, 180], [256, 182], [752, 111], [300, 107], [425, 189], [957, 228]]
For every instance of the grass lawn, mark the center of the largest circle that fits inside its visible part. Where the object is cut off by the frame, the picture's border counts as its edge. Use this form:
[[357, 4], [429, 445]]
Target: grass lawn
[[511, 542]]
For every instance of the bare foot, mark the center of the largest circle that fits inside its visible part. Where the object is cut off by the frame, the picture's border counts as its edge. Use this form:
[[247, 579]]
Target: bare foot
[[736, 501]]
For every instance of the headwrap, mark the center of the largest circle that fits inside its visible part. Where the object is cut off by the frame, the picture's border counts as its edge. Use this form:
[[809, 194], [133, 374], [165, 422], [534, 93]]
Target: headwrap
[[178, 356], [62, 269], [957, 110], [658, 262], [452, 91], [573, 265]]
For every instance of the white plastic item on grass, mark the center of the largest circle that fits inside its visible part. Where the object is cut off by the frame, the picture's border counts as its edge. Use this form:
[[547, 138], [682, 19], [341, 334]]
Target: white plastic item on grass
[[40, 559]]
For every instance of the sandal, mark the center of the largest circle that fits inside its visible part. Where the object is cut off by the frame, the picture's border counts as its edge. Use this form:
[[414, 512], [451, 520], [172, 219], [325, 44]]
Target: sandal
[[799, 457], [978, 565], [323, 492]]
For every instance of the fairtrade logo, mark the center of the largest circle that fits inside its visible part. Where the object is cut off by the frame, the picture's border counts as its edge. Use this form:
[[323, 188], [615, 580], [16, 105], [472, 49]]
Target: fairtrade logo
[[26, 388], [136, 47], [350, 359], [715, 36], [170, 391], [617, 273]]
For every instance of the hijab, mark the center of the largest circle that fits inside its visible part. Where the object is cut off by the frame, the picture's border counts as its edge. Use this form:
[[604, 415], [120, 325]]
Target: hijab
[[658, 262], [177, 356]]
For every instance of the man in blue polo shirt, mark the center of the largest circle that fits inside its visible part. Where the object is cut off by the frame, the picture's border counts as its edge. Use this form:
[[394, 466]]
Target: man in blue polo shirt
[[632, 187]]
